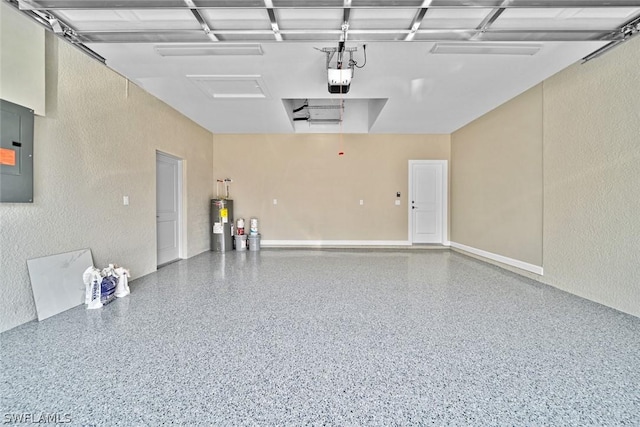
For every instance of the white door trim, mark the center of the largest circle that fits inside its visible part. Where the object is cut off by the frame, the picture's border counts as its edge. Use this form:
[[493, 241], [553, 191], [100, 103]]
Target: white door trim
[[445, 198], [181, 204]]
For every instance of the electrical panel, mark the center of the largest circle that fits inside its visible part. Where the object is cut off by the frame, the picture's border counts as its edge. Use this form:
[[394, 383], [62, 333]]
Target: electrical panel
[[16, 153]]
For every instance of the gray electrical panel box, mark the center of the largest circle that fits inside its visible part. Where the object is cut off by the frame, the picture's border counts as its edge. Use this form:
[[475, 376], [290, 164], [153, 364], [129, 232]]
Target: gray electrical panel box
[[16, 153]]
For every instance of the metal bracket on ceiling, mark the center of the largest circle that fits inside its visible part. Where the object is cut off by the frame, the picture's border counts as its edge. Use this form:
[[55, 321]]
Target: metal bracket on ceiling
[[268, 4], [490, 19], [203, 23], [54, 24], [624, 33], [417, 20], [331, 51], [630, 30]]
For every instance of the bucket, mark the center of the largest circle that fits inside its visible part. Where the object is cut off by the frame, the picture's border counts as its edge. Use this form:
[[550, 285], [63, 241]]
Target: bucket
[[253, 226], [241, 242], [254, 242], [240, 225]]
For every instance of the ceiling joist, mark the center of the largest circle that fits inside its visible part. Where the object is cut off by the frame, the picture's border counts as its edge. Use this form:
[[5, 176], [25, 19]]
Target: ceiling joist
[[240, 4], [614, 21], [205, 27], [274, 21], [417, 20]]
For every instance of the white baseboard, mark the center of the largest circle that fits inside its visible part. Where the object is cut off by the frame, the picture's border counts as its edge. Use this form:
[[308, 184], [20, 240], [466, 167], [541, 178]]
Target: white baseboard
[[502, 259], [325, 243]]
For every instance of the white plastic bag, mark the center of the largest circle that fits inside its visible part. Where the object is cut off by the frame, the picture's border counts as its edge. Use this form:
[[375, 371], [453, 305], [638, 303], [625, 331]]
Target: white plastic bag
[[92, 280], [102, 287], [108, 284], [122, 290]]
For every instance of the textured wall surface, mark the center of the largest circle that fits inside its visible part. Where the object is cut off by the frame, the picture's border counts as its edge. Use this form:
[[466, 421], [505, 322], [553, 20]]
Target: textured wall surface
[[592, 179], [496, 180], [97, 144], [318, 192], [21, 60]]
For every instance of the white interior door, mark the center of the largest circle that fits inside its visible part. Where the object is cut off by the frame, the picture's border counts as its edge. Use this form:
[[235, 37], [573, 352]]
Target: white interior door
[[168, 195], [427, 201]]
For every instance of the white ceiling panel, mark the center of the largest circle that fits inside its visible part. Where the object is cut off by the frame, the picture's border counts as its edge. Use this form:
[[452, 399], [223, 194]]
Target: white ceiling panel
[[300, 19], [381, 18], [387, 3], [567, 19], [123, 19], [622, 14], [74, 16], [228, 19], [372, 36], [246, 38], [454, 18], [231, 86]]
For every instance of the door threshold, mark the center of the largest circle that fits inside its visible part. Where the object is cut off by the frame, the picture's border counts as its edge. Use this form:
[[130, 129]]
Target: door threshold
[[428, 246]]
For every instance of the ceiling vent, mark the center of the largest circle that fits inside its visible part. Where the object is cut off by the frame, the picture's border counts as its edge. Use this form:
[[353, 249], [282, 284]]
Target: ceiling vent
[[231, 87], [486, 48], [202, 49]]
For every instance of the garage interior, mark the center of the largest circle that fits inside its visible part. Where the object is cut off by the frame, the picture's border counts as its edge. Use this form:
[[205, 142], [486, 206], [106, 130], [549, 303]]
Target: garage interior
[[525, 313]]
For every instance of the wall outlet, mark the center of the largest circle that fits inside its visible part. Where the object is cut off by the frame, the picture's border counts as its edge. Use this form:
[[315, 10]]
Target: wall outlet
[[275, 201], [397, 202], [361, 202], [125, 200]]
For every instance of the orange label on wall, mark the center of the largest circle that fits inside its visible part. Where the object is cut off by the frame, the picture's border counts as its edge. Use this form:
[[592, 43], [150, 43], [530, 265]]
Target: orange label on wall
[[7, 157]]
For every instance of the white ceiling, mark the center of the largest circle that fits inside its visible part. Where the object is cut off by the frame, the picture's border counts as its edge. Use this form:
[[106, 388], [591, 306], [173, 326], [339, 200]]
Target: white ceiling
[[425, 92]]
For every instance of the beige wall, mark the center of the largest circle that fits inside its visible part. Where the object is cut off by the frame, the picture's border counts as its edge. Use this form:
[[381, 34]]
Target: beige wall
[[97, 143], [318, 192], [21, 60], [496, 180], [576, 138], [592, 179]]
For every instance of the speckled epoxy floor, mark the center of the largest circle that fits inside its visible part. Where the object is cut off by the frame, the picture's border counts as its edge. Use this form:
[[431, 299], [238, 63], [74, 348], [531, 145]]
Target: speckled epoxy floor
[[329, 337]]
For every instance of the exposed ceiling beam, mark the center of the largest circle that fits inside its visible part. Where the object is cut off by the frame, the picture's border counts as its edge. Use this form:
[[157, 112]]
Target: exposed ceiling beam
[[196, 13], [627, 31], [608, 34], [274, 21], [491, 18], [417, 20], [459, 4], [124, 35], [427, 35], [59, 27]]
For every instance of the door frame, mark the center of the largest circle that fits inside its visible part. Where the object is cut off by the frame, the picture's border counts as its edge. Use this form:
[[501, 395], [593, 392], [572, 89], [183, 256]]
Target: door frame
[[181, 205], [445, 198]]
